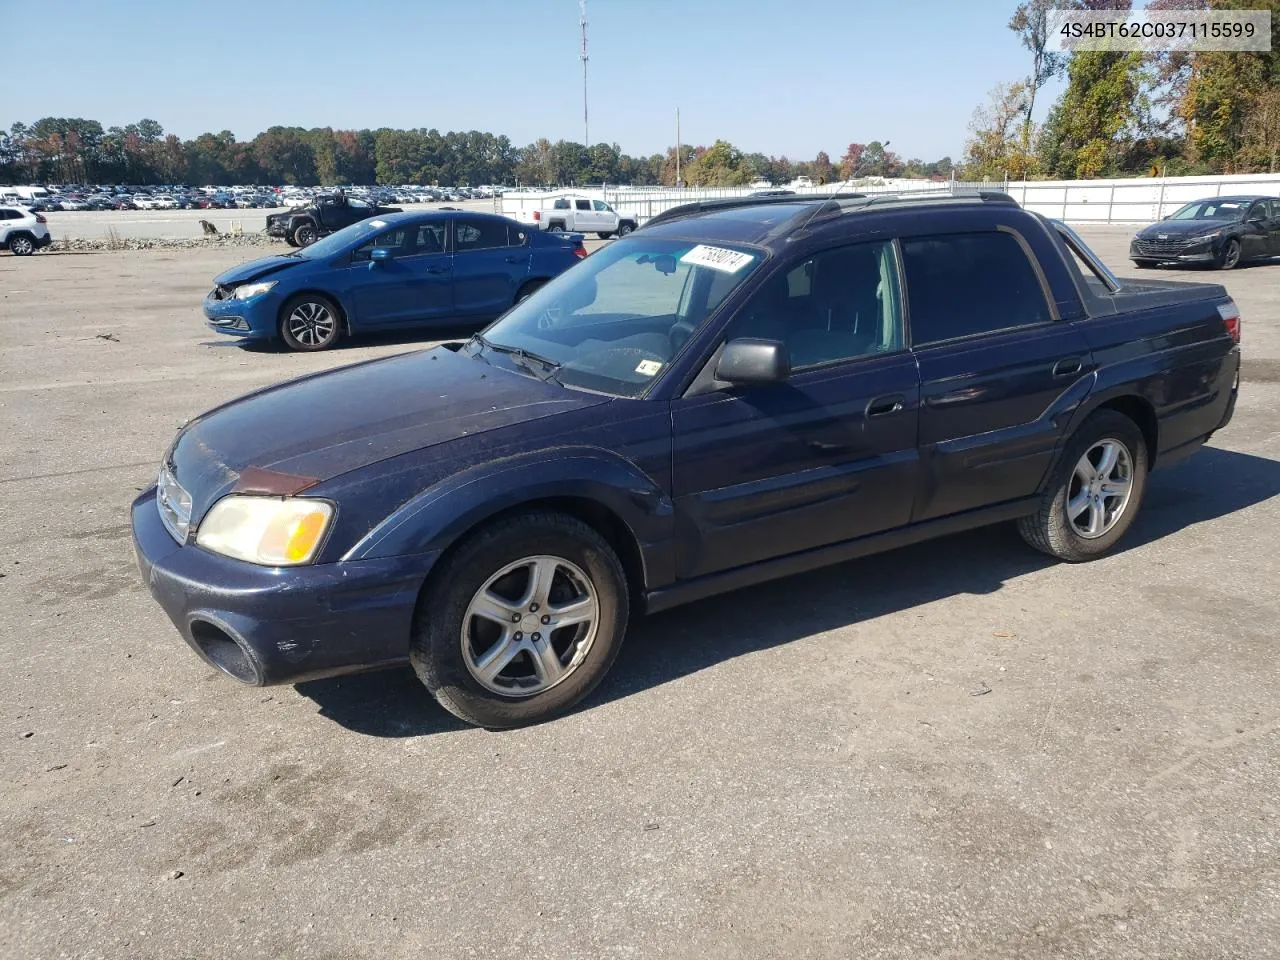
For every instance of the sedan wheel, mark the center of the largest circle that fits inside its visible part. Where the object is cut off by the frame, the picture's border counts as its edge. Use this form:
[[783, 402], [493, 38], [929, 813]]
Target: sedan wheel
[[309, 324], [1230, 255], [21, 246]]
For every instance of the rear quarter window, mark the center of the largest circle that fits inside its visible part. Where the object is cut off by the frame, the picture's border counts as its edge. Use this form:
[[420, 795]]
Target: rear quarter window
[[961, 285]]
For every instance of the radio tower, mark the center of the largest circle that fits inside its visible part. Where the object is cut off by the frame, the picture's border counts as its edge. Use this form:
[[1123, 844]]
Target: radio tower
[[586, 130]]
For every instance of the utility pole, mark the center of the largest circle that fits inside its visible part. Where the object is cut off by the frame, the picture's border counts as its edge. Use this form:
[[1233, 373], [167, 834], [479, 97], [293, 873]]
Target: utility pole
[[677, 146], [586, 130]]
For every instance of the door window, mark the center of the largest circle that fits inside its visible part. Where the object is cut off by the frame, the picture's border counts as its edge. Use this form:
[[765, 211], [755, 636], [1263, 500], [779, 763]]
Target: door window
[[430, 237], [601, 207], [970, 283], [478, 234], [1259, 211], [582, 204], [393, 240], [561, 204], [838, 305]]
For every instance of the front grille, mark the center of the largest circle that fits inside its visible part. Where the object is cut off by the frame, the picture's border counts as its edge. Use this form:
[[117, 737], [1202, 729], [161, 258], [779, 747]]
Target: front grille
[[1162, 248], [174, 504]]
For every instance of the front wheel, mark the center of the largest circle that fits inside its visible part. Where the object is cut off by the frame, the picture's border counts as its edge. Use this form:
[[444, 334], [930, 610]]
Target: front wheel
[[21, 245], [604, 236], [624, 228], [1095, 492], [310, 322], [523, 622], [305, 235], [1229, 259]]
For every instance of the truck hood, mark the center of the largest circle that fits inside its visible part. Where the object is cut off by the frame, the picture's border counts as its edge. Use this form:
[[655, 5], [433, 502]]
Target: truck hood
[[285, 438], [1182, 229], [252, 270]]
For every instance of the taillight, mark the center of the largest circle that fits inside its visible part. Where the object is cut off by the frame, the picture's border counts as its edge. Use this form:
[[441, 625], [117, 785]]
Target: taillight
[[1230, 314], [537, 215], [40, 218], [580, 252]]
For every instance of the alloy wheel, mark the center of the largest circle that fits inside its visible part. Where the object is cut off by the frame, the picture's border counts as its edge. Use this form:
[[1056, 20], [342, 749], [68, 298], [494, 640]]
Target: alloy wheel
[[1099, 489], [311, 324], [21, 246], [530, 626]]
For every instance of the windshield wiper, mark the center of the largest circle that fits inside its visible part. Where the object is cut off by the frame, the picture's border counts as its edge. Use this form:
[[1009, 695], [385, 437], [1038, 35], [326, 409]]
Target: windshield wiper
[[521, 354]]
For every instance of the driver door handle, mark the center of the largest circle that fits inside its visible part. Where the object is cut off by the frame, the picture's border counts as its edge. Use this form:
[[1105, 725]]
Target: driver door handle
[[886, 405], [1067, 367]]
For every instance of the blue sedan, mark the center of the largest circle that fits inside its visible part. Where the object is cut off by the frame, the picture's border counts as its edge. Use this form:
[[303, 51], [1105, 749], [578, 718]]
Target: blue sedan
[[391, 272]]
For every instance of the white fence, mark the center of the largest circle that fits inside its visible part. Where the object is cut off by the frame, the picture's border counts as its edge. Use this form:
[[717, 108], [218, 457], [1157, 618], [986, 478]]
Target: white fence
[[1132, 200]]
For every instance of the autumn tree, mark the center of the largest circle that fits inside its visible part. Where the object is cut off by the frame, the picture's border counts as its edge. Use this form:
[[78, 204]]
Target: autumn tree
[[1030, 21], [994, 149]]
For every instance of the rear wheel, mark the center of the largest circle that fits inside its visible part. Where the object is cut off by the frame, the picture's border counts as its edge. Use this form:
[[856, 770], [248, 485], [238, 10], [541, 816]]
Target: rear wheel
[[1095, 492], [21, 245], [556, 228], [523, 622], [305, 234], [1229, 259], [527, 289], [310, 322]]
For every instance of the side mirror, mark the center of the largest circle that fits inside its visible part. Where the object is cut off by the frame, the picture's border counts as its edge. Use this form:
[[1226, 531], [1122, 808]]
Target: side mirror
[[379, 255], [748, 361]]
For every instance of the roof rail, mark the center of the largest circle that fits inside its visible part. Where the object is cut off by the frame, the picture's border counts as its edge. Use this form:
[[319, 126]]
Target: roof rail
[[728, 203], [932, 196]]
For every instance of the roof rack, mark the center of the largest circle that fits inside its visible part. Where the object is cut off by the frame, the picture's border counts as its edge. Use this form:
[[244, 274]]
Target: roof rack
[[728, 203], [833, 204]]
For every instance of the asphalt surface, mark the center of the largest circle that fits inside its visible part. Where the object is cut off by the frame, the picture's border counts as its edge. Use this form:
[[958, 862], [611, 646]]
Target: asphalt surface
[[956, 750]]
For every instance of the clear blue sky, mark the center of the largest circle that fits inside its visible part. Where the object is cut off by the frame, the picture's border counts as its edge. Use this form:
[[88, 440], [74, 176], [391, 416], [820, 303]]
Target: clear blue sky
[[780, 76]]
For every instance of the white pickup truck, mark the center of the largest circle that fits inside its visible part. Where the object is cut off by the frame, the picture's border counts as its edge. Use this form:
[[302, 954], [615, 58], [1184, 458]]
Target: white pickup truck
[[569, 213]]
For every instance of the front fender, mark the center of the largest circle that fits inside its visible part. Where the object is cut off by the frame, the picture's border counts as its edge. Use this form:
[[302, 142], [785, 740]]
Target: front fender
[[437, 517]]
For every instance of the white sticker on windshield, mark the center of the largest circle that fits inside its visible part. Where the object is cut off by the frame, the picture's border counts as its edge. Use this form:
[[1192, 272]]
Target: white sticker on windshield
[[717, 258], [377, 223], [648, 368]]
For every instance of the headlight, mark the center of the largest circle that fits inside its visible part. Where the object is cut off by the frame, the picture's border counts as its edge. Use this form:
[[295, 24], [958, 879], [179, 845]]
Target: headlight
[[271, 531], [1206, 237], [251, 290]]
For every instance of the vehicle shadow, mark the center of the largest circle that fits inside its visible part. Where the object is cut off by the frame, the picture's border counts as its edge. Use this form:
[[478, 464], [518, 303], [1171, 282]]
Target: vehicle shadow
[[679, 642], [417, 337]]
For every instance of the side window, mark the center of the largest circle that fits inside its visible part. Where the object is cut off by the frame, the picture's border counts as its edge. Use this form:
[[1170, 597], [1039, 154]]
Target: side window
[[582, 204], [517, 237], [393, 240], [478, 234], [430, 237], [561, 204], [1259, 211], [969, 283], [601, 206], [838, 305]]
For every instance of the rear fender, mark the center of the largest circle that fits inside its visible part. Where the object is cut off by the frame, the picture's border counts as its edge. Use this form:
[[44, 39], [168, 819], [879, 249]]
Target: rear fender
[[440, 515]]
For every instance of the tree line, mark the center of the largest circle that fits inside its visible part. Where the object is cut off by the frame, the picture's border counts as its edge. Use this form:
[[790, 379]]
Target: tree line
[[1125, 113], [75, 150]]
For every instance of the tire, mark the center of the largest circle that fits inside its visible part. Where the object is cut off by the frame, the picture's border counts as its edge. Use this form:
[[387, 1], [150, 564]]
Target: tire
[[21, 245], [604, 236], [305, 234], [556, 228], [625, 227], [289, 241], [1051, 530], [525, 689], [1145, 264], [310, 322], [1229, 259], [527, 288]]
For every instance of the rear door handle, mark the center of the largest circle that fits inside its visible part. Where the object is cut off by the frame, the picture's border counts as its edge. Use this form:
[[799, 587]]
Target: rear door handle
[[437, 270], [1068, 366], [515, 259], [886, 405]]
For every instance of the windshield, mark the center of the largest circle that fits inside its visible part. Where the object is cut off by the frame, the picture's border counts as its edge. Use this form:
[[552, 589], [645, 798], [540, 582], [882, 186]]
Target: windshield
[[336, 242], [612, 322], [1211, 210]]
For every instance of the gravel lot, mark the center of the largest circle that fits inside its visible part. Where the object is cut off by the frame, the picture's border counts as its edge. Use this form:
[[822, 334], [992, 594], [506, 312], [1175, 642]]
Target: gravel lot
[[956, 750]]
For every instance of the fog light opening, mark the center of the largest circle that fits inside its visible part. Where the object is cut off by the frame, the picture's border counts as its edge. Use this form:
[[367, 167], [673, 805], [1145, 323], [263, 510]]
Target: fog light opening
[[224, 651]]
